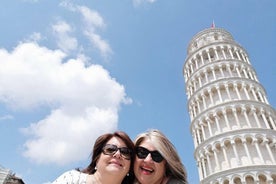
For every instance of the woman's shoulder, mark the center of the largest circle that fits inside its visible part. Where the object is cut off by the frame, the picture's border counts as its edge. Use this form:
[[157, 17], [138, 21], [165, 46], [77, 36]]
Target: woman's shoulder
[[72, 173], [72, 176], [175, 181]]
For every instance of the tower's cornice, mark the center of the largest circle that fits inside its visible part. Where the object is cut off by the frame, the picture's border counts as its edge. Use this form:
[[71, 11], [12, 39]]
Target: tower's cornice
[[195, 44], [210, 30]]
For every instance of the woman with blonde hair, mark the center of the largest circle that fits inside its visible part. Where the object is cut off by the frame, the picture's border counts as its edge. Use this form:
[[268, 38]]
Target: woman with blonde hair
[[157, 161]]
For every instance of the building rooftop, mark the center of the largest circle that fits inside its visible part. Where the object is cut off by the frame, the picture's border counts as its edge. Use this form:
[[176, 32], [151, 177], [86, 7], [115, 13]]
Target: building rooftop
[[7, 177]]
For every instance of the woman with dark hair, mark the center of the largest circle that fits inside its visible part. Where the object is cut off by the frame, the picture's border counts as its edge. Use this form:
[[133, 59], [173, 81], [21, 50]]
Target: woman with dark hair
[[112, 162]]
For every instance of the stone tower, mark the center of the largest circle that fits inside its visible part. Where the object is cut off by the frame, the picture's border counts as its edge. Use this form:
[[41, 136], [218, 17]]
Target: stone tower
[[232, 124]]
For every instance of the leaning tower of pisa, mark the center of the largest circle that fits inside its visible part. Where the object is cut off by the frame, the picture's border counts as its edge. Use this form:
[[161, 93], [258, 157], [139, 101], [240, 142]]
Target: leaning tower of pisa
[[232, 123]]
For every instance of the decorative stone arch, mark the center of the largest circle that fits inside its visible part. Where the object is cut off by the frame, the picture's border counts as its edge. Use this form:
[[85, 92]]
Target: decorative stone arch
[[236, 178], [226, 142], [270, 139], [209, 149], [273, 176], [260, 138], [211, 51], [249, 138], [262, 178], [237, 138], [226, 181], [215, 182], [249, 178], [217, 144]]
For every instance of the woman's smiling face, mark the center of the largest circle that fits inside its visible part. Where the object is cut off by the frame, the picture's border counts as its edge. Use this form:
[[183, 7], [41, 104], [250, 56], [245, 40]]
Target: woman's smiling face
[[114, 163], [146, 170]]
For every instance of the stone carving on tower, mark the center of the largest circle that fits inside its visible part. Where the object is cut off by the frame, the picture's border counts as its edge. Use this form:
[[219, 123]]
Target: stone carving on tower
[[232, 123]]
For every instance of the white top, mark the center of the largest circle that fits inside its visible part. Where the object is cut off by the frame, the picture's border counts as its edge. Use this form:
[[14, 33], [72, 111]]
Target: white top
[[71, 177]]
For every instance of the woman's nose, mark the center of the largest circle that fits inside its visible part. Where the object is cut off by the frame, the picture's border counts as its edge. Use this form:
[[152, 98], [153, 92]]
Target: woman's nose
[[117, 154], [148, 158]]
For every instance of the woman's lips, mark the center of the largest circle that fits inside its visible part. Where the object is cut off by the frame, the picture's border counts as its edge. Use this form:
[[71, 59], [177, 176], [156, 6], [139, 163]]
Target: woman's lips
[[146, 170]]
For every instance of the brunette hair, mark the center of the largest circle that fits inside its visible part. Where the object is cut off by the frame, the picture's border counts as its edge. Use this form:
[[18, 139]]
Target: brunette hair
[[174, 167], [97, 150]]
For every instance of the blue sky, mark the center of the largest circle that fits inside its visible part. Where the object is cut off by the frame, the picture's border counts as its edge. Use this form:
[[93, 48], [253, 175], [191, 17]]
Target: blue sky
[[72, 70]]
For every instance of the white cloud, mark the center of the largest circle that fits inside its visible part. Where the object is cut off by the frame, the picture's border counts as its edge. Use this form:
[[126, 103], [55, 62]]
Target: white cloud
[[65, 41], [30, 1], [92, 18], [85, 101], [68, 5], [6, 117], [68, 136], [138, 2], [92, 22], [34, 37], [97, 41]]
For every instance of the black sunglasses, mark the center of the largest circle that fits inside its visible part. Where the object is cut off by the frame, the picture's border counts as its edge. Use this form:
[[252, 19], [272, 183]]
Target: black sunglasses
[[111, 149], [142, 153]]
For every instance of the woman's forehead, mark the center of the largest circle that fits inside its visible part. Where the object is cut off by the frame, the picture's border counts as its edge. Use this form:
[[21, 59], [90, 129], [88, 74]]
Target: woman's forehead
[[116, 141], [147, 143]]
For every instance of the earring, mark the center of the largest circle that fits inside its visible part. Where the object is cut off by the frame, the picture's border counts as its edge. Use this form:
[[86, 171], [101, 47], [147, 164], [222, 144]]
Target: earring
[[127, 174], [95, 168]]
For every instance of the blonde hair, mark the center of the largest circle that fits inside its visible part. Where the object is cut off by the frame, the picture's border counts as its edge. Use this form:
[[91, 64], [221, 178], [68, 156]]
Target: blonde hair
[[174, 167]]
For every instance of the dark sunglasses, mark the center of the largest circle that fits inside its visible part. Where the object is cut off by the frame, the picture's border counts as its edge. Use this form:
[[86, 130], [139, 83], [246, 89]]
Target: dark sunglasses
[[111, 149], [142, 153]]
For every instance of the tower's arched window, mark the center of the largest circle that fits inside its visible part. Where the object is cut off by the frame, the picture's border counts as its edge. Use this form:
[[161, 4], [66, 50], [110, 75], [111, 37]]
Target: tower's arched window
[[273, 176], [249, 179], [216, 36], [262, 179], [226, 181], [237, 180]]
